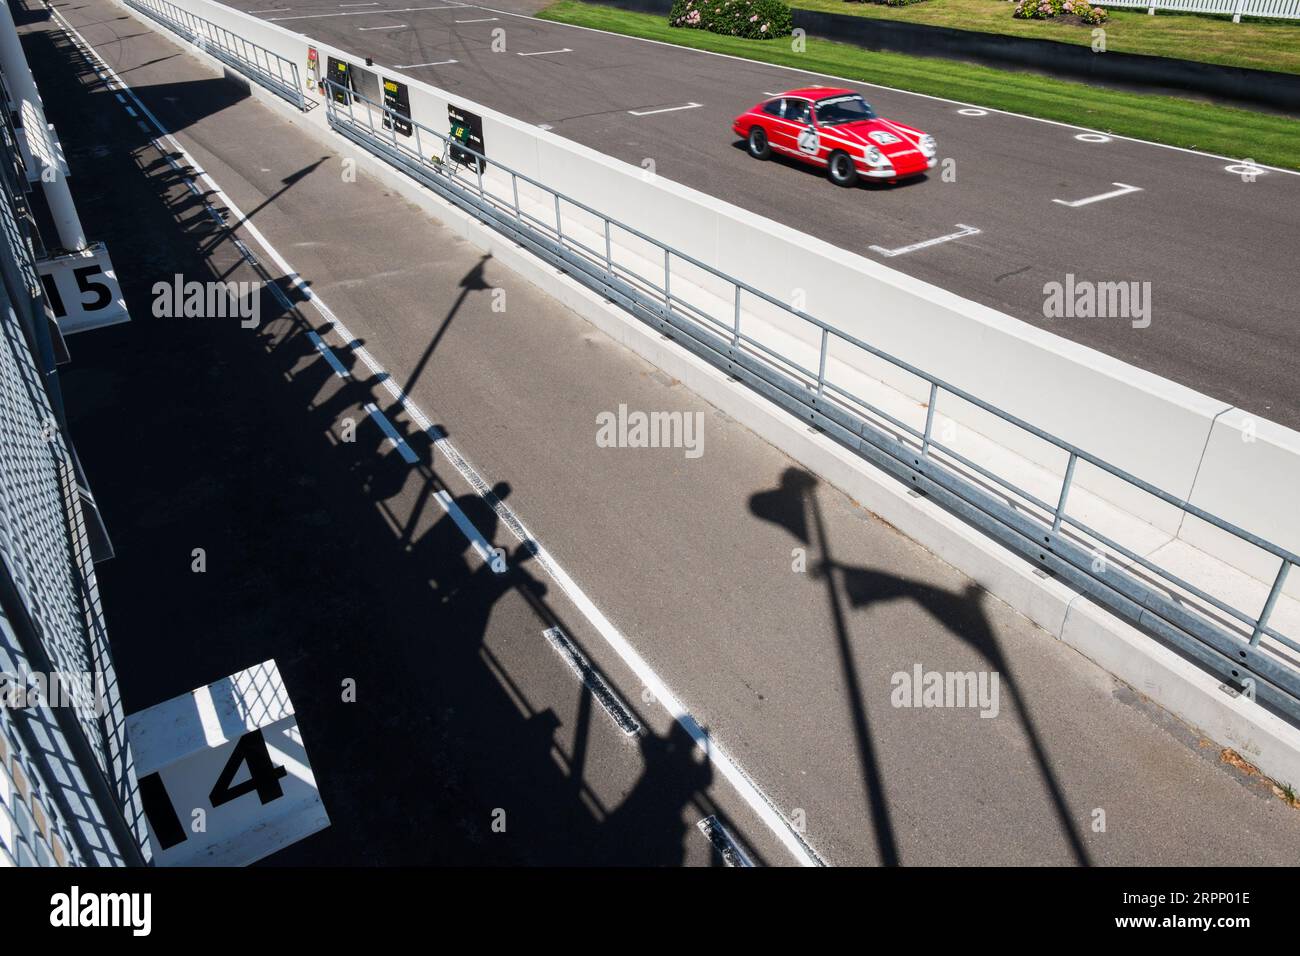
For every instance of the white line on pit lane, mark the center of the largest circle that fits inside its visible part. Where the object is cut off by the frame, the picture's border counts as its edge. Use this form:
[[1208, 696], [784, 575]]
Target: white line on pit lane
[[328, 353], [731, 771], [484, 20], [593, 680], [545, 52], [467, 528], [362, 13], [358, 4], [666, 109], [1123, 190], [965, 231], [412, 66], [385, 426], [398, 26]]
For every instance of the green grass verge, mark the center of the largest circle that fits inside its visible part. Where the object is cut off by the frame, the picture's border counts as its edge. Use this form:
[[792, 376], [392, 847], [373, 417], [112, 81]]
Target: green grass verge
[[1259, 45], [1263, 137]]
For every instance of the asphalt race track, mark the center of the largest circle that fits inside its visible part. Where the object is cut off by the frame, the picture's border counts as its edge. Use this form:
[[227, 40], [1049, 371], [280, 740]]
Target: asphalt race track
[[1218, 251]]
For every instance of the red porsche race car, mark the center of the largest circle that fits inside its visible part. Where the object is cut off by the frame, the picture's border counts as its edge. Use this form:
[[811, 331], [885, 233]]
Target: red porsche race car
[[838, 131]]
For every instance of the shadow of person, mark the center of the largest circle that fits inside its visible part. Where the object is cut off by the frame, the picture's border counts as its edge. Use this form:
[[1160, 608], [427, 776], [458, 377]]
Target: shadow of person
[[649, 825]]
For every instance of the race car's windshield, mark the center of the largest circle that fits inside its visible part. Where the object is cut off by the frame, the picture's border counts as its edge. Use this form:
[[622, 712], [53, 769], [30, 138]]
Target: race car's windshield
[[844, 109]]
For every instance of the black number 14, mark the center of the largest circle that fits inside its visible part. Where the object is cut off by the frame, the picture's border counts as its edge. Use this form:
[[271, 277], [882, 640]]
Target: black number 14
[[263, 779]]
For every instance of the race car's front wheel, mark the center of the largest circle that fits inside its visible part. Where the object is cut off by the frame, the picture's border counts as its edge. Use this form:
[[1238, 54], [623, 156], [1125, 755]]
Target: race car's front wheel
[[841, 170], [759, 147]]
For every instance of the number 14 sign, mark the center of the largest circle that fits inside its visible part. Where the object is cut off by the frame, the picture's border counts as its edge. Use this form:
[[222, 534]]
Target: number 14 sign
[[224, 777]]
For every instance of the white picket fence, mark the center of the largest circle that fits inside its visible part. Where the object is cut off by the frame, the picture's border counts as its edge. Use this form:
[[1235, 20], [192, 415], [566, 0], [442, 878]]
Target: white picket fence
[[1287, 9]]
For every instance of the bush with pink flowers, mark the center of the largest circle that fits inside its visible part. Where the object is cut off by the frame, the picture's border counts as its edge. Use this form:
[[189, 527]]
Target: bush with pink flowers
[[1080, 11], [752, 19]]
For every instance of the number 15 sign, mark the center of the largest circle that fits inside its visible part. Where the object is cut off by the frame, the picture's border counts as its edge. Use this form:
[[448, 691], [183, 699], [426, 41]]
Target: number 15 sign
[[224, 777]]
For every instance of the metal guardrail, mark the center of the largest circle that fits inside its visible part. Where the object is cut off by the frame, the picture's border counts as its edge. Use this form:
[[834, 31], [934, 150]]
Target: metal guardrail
[[276, 73], [1239, 647], [1278, 9]]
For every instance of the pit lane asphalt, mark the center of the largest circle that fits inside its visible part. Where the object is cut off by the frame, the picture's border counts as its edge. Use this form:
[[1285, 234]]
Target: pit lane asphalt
[[331, 557], [1219, 252]]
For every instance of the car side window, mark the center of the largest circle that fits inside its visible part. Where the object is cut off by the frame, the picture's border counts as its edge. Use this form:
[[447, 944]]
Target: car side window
[[797, 111], [773, 107]]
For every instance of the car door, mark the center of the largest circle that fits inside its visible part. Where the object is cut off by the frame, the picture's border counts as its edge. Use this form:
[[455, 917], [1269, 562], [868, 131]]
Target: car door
[[805, 142]]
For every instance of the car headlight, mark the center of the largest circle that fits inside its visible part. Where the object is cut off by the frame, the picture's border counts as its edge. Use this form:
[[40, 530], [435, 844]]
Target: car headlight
[[873, 156], [928, 146]]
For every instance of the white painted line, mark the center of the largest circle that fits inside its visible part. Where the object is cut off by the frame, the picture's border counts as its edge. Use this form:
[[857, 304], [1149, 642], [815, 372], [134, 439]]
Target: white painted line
[[666, 109], [1123, 190], [723, 842], [327, 353], [1093, 138], [412, 66], [399, 26], [876, 86], [545, 52], [120, 97], [131, 113], [361, 13], [965, 231], [484, 20], [470, 532], [385, 426], [589, 676], [143, 125], [358, 4], [735, 775], [973, 111], [545, 126]]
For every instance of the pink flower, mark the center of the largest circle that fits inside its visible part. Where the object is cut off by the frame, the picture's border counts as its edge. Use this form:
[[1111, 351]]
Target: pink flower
[[753, 18]]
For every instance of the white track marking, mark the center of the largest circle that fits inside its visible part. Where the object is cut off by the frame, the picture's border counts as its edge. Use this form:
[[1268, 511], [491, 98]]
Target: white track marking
[[1093, 138], [471, 533], [398, 26], [483, 20], [360, 13], [545, 52], [666, 109], [876, 86], [358, 4], [745, 788], [393, 435], [328, 353], [965, 231], [973, 111], [412, 66], [1123, 190]]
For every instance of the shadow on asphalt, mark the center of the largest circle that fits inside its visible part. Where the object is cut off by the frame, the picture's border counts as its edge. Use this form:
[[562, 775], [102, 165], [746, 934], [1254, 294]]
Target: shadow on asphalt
[[791, 505]]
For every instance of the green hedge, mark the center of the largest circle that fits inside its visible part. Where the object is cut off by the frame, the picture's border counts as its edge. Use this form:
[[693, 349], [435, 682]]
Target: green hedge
[[751, 19]]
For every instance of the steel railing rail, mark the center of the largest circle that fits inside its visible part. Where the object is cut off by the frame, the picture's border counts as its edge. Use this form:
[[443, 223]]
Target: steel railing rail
[[1042, 531], [278, 74]]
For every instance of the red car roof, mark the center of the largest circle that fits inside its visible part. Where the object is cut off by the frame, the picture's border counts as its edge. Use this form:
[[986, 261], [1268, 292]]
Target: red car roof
[[817, 92]]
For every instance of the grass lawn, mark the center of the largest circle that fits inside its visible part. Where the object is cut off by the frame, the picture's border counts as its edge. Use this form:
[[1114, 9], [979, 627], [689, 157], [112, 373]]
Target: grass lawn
[[1258, 44], [1263, 137]]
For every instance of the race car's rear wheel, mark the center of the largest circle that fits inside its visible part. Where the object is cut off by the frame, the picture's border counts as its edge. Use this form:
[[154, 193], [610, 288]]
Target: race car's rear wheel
[[840, 169], [759, 147]]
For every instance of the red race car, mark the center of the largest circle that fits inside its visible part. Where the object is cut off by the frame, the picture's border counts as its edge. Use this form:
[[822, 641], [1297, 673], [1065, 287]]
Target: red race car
[[838, 131]]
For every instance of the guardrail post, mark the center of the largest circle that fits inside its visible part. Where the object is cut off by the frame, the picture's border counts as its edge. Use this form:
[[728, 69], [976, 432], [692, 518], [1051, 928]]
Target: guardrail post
[[735, 334], [514, 188], [609, 258], [1273, 595], [929, 418], [1065, 492], [668, 296], [821, 364], [559, 234]]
